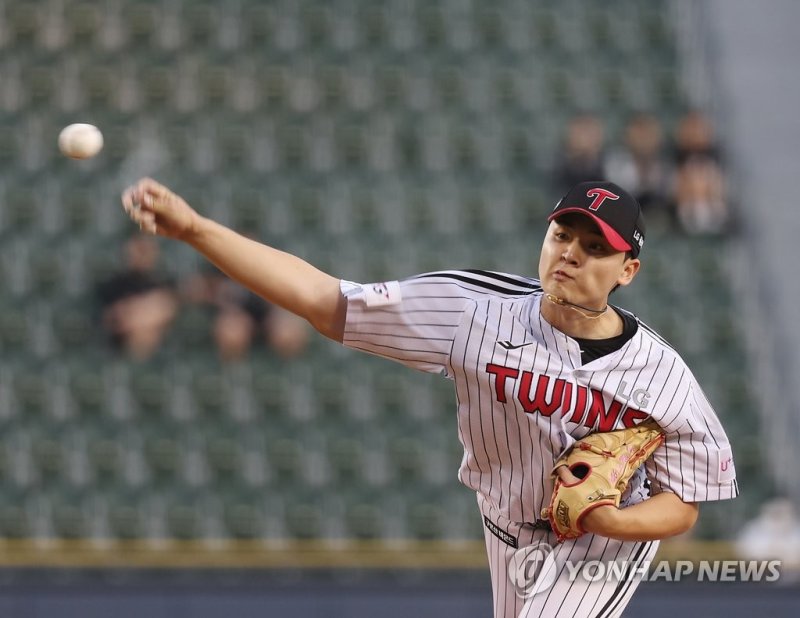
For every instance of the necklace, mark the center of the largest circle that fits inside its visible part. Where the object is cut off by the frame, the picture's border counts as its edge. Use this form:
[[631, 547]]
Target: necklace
[[577, 308]]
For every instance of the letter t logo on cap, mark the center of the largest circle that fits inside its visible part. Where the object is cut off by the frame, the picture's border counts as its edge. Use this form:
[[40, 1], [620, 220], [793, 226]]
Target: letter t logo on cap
[[600, 196]]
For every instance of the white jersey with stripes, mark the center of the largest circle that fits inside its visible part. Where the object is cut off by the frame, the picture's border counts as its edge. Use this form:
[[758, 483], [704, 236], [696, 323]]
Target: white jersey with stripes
[[524, 395]]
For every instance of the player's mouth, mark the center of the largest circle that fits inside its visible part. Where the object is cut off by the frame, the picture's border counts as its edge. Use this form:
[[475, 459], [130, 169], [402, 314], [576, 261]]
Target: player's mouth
[[560, 275]]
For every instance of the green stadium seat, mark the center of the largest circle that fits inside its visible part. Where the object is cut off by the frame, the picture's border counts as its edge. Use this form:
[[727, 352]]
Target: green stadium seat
[[426, 519], [286, 460], [314, 21], [364, 518], [83, 21], [150, 389], [15, 522], [304, 517], [407, 456], [106, 456], [140, 20], [126, 521], [70, 519], [19, 205], [163, 455], [200, 22], [49, 457], [23, 23], [184, 518], [258, 24], [243, 519], [15, 331], [345, 459], [88, 388], [224, 457]]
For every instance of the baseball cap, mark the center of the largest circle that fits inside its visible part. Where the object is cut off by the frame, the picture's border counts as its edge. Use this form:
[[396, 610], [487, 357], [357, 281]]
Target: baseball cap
[[615, 211]]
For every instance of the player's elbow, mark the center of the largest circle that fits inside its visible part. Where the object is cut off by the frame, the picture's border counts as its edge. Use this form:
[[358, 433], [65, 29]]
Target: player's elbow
[[686, 517], [329, 315]]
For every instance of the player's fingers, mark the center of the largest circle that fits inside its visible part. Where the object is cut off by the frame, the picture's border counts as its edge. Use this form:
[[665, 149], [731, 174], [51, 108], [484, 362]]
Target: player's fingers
[[157, 200], [566, 476], [129, 199], [147, 222], [149, 187], [135, 195], [147, 219]]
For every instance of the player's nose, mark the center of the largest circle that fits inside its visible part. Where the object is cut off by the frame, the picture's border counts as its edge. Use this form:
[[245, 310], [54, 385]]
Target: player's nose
[[571, 252]]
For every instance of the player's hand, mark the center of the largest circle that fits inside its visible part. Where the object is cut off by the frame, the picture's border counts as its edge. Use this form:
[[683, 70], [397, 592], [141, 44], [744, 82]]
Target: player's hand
[[602, 520], [158, 210]]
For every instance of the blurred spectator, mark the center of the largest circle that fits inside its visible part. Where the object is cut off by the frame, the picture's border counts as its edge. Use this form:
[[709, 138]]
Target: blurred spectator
[[582, 155], [242, 318], [137, 305], [773, 535], [641, 166], [700, 201]]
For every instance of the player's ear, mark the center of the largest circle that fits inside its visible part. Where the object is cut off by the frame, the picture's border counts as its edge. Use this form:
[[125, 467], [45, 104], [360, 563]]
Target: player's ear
[[629, 269]]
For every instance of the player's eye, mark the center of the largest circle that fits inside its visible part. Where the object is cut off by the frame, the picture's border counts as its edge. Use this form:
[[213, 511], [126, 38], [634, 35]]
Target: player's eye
[[597, 247]]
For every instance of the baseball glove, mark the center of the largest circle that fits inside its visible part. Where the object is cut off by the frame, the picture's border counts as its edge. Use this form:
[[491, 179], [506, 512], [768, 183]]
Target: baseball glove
[[605, 463]]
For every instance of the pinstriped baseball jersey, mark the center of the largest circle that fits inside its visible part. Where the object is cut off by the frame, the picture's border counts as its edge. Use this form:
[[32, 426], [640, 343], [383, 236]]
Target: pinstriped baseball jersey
[[523, 394]]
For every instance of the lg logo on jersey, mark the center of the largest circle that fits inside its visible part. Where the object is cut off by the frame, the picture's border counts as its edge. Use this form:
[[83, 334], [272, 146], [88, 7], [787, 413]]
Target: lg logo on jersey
[[640, 397]]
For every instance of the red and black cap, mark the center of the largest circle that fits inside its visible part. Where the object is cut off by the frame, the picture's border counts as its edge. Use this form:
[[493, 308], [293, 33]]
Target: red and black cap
[[615, 211]]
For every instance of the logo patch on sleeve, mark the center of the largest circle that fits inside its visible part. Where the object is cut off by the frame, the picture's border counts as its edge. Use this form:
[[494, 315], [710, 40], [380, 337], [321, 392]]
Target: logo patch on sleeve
[[382, 294], [725, 469]]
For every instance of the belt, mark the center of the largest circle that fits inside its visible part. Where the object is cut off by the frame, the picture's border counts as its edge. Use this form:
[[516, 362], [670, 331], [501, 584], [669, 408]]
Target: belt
[[541, 524]]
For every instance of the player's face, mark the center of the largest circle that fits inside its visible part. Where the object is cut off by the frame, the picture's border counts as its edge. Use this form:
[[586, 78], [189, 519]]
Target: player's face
[[578, 265]]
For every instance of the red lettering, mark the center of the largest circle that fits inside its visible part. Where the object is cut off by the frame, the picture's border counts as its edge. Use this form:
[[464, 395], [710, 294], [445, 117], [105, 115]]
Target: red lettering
[[501, 373], [580, 405], [539, 403], [632, 417], [608, 418], [566, 400]]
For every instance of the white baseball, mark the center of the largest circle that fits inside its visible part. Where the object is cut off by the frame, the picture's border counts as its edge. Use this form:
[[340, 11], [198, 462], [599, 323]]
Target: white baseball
[[80, 141]]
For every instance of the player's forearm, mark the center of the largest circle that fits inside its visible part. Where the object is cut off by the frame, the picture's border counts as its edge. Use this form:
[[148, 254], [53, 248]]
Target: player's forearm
[[659, 517], [277, 276]]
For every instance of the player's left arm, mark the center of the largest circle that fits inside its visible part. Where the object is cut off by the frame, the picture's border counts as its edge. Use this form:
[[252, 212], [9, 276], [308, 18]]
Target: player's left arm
[[659, 517]]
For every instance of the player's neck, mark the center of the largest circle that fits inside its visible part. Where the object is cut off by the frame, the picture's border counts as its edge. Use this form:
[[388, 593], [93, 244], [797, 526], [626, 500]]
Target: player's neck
[[578, 325]]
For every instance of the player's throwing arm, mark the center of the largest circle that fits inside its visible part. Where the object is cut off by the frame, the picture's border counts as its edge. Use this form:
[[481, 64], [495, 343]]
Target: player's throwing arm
[[276, 276]]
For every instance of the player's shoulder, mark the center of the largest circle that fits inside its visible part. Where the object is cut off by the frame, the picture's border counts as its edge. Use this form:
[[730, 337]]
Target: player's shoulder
[[478, 283], [653, 337]]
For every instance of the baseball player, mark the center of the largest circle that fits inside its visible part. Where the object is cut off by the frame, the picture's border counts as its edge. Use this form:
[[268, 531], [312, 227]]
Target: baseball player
[[537, 365]]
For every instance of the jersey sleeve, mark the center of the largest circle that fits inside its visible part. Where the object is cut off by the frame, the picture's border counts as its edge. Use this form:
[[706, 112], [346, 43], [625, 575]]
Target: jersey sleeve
[[696, 460], [414, 321]]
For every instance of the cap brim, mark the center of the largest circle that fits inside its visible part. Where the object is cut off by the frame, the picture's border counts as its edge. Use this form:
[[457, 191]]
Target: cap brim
[[610, 234]]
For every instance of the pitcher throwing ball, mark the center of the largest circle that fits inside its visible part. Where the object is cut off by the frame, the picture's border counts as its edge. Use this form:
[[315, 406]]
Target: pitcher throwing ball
[[540, 366]]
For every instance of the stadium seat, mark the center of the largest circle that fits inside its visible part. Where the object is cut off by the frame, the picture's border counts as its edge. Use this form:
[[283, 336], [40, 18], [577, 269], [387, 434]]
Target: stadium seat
[[15, 331], [364, 520], [303, 517], [15, 523], [243, 519], [184, 518], [126, 519]]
